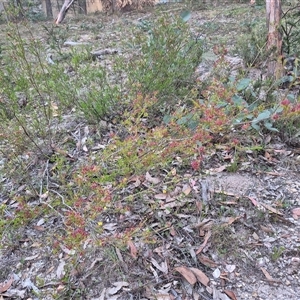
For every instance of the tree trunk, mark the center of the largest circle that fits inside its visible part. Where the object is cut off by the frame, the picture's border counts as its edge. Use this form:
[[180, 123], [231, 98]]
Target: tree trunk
[[48, 7], [274, 43], [63, 11], [82, 7]]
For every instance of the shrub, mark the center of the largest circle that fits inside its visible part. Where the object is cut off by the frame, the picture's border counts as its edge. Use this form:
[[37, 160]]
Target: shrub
[[36, 93], [166, 61], [251, 46], [290, 27]]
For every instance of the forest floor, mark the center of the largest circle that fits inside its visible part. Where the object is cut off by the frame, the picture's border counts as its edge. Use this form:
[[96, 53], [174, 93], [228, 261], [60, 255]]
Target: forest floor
[[229, 229]]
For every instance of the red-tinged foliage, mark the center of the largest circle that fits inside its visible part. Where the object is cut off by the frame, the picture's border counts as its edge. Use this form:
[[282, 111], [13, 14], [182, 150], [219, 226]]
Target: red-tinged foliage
[[296, 108], [285, 102], [275, 117], [195, 164], [79, 233], [235, 142], [74, 219]]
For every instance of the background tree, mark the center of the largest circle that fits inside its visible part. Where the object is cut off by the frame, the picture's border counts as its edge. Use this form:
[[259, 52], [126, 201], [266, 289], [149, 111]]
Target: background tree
[[48, 8], [87, 6], [274, 41]]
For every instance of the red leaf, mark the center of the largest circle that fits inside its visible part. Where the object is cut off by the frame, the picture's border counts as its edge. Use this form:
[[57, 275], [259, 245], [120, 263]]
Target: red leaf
[[187, 274], [296, 213], [201, 277], [268, 276], [133, 250], [230, 294], [255, 203], [207, 236], [5, 286], [207, 261]]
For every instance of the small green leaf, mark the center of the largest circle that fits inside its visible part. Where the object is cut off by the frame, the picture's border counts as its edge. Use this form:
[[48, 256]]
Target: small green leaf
[[167, 119], [279, 109], [285, 79], [237, 121], [270, 127], [243, 84], [222, 104], [291, 97], [253, 94], [209, 56], [255, 126], [182, 121], [252, 106], [237, 100], [262, 116], [231, 79], [193, 124], [185, 15]]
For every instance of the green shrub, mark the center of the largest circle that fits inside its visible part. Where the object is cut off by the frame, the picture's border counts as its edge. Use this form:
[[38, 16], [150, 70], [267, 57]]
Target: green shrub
[[290, 28], [166, 61], [251, 46], [96, 96], [35, 94]]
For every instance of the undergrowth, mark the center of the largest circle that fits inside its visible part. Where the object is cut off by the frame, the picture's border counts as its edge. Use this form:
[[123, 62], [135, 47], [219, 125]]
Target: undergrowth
[[165, 61], [160, 118]]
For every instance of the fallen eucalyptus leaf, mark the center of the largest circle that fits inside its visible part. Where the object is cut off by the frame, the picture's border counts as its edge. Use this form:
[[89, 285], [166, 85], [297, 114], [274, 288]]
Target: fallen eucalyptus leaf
[[201, 277], [188, 275]]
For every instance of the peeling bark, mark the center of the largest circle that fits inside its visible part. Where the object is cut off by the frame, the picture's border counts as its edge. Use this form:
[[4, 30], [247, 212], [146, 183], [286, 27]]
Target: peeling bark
[[63, 11], [274, 42]]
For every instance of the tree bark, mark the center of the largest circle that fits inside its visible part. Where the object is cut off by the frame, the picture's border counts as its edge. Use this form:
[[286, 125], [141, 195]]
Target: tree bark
[[82, 7], [63, 11], [274, 42], [48, 7]]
